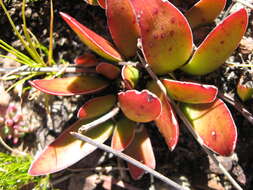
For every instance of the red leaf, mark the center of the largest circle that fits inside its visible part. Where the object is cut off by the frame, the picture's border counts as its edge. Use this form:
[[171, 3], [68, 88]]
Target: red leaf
[[218, 45], [67, 150], [204, 12], [96, 107], [101, 3], [141, 106], [108, 70], [214, 124], [123, 134], [86, 60], [70, 85], [190, 92], [123, 26], [95, 42], [141, 150], [165, 35], [166, 122], [130, 76]]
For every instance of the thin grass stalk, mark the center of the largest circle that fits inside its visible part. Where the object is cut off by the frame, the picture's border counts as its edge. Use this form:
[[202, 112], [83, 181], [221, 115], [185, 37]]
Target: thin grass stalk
[[50, 52]]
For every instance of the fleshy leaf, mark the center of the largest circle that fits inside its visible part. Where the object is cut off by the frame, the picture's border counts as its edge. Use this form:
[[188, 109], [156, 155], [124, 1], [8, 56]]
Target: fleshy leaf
[[141, 150], [95, 42], [123, 27], [108, 70], [204, 12], [141, 106], [70, 85], [218, 45], [123, 134], [214, 124], [86, 60], [66, 150], [166, 122], [101, 3], [130, 76], [96, 107], [165, 35], [244, 92], [190, 92]]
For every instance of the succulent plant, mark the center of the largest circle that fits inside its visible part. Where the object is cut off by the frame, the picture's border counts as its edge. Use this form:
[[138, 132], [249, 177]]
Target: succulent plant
[[166, 43]]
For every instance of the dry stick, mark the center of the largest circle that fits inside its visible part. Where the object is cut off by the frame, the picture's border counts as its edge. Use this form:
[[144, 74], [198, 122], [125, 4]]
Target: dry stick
[[26, 69], [244, 3], [238, 106], [100, 120], [128, 159], [188, 124], [11, 149]]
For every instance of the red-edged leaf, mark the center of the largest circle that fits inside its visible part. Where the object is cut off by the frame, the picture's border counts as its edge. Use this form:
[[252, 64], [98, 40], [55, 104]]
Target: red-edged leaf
[[244, 91], [141, 106], [130, 76], [123, 26], [95, 42], [108, 70], [204, 12], [190, 92], [102, 3], [67, 150], [123, 134], [166, 122], [214, 124], [165, 35], [141, 150], [218, 45], [70, 85], [86, 60], [96, 107]]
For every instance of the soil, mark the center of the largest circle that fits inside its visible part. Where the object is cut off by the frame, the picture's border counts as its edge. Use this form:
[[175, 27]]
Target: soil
[[187, 164]]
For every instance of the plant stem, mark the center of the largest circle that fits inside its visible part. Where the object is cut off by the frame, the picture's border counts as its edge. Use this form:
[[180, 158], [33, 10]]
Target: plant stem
[[128, 159], [238, 106], [245, 3], [100, 120], [188, 124]]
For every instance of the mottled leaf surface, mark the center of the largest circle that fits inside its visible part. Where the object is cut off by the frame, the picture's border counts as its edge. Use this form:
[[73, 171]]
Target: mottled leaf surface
[[123, 134], [165, 35], [214, 124], [204, 12], [94, 41], [138, 106], [166, 122], [70, 85], [123, 26], [96, 107], [130, 76], [108, 70], [218, 45], [190, 92], [141, 150], [67, 150]]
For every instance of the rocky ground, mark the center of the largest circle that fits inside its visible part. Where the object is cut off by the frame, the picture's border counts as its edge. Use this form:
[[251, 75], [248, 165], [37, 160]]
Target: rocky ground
[[187, 164]]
